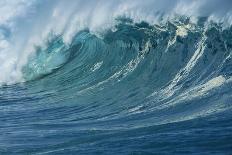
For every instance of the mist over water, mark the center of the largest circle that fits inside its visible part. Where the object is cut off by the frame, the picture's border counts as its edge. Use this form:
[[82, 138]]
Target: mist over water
[[115, 77]]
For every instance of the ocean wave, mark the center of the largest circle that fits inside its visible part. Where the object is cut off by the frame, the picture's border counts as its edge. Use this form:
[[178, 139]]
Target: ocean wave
[[115, 77], [97, 16]]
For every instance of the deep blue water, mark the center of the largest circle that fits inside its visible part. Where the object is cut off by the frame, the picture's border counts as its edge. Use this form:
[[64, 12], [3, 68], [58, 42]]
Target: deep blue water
[[138, 89]]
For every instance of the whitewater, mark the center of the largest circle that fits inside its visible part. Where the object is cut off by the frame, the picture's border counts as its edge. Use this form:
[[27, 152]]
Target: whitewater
[[115, 77]]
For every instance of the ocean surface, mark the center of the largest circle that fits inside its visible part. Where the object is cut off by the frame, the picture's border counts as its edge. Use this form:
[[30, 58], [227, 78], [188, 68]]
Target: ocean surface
[[134, 87]]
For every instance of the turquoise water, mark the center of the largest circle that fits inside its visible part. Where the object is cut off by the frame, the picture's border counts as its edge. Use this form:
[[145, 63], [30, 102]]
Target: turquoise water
[[137, 89]]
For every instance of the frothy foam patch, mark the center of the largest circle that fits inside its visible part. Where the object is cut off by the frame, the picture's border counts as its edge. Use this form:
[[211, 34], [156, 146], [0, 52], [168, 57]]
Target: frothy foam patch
[[182, 31], [213, 83]]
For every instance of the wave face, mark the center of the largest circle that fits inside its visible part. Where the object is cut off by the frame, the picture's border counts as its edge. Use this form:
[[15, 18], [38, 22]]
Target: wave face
[[130, 87]]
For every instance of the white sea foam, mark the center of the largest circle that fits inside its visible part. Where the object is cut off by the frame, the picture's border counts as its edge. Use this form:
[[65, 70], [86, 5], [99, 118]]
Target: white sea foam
[[184, 72], [198, 91], [97, 66]]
